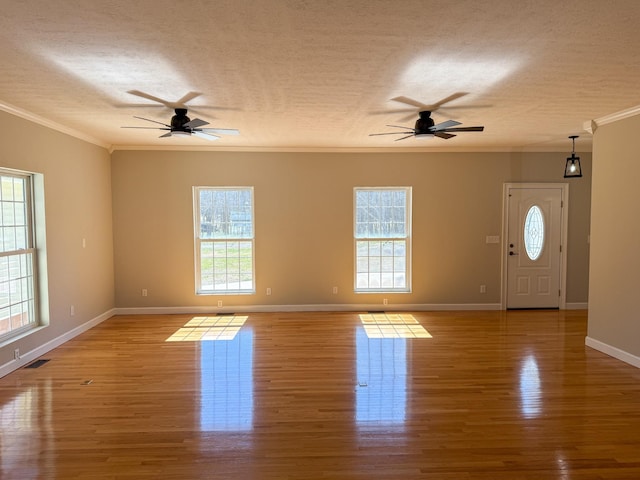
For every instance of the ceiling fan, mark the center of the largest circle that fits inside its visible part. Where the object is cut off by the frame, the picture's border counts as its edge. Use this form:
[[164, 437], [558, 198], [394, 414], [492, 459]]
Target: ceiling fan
[[182, 125], [426, 127], [417, 106]]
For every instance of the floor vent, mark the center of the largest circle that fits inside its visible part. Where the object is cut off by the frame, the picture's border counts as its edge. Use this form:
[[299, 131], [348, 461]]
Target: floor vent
[[37, 363], [226, 314]]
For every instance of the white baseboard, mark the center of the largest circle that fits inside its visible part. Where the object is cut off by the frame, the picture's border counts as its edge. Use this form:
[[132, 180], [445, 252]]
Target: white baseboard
[[305, 308], [577, 306], [613, 351], [28, 357]]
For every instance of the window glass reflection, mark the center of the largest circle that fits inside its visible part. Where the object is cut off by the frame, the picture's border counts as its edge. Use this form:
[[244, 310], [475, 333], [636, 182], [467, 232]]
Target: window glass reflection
[[226, 387], [530, 392], [381, 393], [26, 432]]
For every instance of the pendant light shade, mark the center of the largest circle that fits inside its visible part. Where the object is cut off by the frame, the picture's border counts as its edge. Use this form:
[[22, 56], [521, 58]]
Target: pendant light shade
[[572, 168]]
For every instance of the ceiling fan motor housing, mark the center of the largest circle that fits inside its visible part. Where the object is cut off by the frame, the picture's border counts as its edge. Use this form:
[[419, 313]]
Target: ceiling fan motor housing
[[424, 123], [179, 120]]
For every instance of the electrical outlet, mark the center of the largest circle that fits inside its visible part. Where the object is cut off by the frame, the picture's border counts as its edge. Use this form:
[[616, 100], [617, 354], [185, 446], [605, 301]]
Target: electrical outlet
[[335, 290], [144, 292], [268, 290], [72, 310], [16, 354], [483, 289], [384, 301], [219, 303]]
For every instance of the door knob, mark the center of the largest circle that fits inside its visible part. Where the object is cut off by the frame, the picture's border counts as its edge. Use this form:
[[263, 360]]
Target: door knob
[[512, 253]]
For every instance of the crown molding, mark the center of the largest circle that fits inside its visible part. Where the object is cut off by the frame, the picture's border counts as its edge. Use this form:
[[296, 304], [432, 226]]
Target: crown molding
[[31, 117], [592, 125], [199, 148]]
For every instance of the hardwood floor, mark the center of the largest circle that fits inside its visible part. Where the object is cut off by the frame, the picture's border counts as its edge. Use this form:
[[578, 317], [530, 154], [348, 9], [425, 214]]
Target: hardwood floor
[[490, 395]]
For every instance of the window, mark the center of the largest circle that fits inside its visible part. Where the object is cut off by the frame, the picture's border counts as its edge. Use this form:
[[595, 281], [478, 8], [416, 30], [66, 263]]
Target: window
[[534, 233], [382, 231], [17, 255], [224, 240]]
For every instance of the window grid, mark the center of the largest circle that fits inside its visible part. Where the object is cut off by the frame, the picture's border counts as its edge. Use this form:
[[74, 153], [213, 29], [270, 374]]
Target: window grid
[[224, 240], [382, 241], [534, 233], [17, 256]]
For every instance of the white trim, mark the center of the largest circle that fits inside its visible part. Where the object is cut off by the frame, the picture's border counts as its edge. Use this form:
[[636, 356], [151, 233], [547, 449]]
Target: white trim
[[228, 148], [613, 351], [592, 125], [31, 117], [577, 306], [564, 187], [56, 342]]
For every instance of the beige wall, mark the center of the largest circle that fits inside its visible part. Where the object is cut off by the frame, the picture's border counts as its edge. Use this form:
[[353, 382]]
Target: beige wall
[[134, 210], [614, 321], [77, 202], [304, 227]]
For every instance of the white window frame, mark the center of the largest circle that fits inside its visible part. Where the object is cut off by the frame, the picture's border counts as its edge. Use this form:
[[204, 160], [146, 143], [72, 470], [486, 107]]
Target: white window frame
[[405, 238], [18, 262], [202, 289]]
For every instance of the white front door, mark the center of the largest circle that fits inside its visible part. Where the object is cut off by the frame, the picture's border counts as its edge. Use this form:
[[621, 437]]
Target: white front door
[[534, 236]]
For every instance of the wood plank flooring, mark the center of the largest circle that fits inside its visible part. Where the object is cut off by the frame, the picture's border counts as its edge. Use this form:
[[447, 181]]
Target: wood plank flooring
[[491, 395]]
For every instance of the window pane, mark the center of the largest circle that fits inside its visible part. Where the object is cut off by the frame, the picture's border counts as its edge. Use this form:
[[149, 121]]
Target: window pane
[[534, 232], [225, 230], [374, 264], [17, 287], [226, 213], [387, 264], [362, 265], [381, 227]]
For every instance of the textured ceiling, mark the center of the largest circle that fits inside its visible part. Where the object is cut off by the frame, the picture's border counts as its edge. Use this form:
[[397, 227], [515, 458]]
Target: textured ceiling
[[321, 74]]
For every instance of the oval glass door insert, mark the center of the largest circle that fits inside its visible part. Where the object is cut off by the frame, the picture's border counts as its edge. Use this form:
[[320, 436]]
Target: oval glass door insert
[[534, 233]]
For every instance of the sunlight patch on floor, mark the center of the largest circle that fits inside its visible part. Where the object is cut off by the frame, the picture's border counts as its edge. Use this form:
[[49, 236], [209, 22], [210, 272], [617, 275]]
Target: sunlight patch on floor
[[392, 325], [199, 329]]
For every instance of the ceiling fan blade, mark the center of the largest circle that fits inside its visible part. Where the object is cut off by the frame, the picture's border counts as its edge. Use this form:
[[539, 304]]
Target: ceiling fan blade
[[411, 101], [154, 121], [450, 98], [392, 112], [398, 139], [195, 123], [168, 134], [408, 117], [206, 135], [138, 93], [220, 131], [422, 106], [187, 98], [400, 126], [464, 129], [443, 135], [172, 105], [149, 128], [443, 125], [391, 133], [465, 106]]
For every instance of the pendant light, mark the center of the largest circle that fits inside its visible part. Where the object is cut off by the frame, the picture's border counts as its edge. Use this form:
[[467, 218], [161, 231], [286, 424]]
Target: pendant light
[[573, 169]]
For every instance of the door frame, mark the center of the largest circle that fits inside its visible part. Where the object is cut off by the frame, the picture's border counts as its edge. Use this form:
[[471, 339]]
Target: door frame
[[564, 220]]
